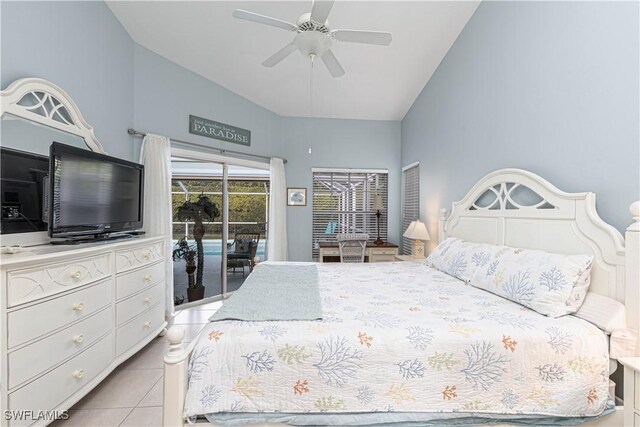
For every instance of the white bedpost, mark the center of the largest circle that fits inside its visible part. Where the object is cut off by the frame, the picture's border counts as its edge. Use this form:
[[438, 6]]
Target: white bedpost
[[632, 271], [175, 379], [441, 221]]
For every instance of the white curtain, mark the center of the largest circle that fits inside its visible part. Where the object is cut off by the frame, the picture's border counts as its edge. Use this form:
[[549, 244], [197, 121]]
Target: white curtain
[[277, 243], [155, 155]]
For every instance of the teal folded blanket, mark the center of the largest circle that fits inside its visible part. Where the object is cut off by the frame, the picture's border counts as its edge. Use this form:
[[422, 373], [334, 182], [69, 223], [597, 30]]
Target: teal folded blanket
[[275, 292]]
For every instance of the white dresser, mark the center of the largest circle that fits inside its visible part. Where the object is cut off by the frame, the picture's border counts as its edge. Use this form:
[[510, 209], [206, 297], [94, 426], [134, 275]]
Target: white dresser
[[70, 315]]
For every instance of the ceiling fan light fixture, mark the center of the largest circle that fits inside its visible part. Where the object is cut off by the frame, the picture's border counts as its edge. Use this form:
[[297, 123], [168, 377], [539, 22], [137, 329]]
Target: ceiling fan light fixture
[[312, 43]]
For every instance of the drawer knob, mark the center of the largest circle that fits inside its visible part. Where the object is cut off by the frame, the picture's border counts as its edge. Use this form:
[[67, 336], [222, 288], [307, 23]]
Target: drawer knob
[[78, 307], [78, 374], [78, 338], [147, 255], [147, 300], [147, 278], [147, 324], [76, 275]]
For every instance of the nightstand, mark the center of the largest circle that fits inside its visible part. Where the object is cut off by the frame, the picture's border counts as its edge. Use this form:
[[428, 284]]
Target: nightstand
[[631, 391], [408, 258]]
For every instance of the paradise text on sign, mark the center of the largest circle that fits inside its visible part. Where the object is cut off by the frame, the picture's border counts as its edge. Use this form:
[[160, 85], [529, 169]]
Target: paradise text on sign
[[217, 130]]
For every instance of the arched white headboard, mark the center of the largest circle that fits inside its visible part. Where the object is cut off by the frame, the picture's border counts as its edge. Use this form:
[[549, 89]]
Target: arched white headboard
[[518, 208], [46, 103]]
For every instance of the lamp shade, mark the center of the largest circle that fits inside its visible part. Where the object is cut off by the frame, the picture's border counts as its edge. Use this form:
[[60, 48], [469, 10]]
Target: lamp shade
[[377, 203], [417, 231]]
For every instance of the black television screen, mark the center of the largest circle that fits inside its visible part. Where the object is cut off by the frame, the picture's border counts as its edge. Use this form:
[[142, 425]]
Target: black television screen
[[93, 193], [21, 188]]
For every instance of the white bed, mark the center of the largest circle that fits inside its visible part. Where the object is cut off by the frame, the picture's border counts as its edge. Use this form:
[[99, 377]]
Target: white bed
[[392, 361]]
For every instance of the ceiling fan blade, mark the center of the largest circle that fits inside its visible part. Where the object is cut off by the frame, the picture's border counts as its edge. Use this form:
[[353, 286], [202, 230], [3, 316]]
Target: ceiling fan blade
[[262, 19], [368, 37], [280, 55], [320, 10], [332, 64]]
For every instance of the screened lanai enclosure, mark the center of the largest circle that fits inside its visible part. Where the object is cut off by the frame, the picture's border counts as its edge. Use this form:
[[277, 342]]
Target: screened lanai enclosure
[[248, 208]]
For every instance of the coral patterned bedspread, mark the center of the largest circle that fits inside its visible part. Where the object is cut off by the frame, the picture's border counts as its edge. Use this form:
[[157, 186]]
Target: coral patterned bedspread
[[402, 337]]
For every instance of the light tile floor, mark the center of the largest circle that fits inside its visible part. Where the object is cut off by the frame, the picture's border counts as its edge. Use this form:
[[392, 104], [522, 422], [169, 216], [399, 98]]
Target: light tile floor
[[132, 394]]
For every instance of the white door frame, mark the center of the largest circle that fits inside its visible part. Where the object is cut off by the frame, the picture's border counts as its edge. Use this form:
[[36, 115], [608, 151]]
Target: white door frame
[[225, 229]]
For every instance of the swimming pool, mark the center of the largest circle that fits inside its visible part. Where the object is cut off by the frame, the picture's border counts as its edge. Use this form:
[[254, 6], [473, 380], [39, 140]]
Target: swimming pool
[[214, 247]]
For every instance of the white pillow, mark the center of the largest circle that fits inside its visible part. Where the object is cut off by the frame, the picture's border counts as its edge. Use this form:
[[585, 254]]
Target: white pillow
[[610, 316], [604, 312], [551, 284]]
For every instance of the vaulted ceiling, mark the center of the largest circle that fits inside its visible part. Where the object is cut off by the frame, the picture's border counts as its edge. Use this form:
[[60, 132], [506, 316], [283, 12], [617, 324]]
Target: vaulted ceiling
[[381, 82]]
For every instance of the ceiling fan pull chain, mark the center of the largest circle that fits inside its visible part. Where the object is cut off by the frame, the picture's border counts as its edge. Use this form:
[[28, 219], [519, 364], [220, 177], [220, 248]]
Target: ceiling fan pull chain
[[312, 57]]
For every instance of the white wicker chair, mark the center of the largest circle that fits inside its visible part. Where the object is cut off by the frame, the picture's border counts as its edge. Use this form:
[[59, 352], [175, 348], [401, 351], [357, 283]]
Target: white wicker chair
[[352, 246]]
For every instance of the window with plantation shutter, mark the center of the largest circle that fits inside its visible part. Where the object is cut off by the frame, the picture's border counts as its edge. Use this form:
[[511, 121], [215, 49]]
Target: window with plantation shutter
[[343, 203], [410, 201]]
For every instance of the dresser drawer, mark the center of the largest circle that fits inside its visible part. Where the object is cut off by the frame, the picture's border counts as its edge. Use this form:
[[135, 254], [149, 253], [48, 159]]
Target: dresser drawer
[[36, 320], [35, 283], [132, 282], [382, 258], [128, 259], [134, 305], [45, 353], [51, 389], [139, 328], [384, 251], [331, 252]]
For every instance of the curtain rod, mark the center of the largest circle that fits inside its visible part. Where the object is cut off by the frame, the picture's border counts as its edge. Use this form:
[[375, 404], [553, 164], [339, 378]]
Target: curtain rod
[[134, 132]]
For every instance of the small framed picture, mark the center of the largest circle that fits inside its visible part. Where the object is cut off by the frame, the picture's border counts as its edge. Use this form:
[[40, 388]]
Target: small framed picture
[[296, 197]]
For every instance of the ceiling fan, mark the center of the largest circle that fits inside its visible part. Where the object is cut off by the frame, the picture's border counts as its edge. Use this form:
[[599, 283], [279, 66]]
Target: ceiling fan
[[314, 36]]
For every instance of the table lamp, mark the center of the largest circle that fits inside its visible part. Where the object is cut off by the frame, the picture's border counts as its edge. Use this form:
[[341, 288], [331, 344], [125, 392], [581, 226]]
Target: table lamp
[[418, 232], [378, 206]]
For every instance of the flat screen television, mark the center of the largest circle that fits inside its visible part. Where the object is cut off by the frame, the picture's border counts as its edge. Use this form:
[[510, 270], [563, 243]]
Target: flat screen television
[[21, 191], [92, 193]]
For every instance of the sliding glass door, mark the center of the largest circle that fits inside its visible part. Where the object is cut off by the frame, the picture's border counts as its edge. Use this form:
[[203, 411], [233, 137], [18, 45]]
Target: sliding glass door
[[232, 202]]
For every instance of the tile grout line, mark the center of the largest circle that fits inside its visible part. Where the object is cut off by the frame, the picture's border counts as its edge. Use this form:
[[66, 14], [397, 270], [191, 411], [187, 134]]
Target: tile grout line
[[152, 387], [136, 406], [127, 416]]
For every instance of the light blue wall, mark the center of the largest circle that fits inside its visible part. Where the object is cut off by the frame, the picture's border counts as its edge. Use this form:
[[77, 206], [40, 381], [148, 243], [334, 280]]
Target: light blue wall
[[340, 144], [551, 87], [166, 94], [117, 84], [81, 47]]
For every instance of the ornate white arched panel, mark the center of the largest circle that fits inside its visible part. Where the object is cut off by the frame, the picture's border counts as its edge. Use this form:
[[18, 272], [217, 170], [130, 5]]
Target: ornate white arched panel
[[546, 218], [45, 103]]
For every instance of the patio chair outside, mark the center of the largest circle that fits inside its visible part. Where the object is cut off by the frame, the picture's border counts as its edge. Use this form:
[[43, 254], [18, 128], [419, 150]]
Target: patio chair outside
[[242, 251]]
